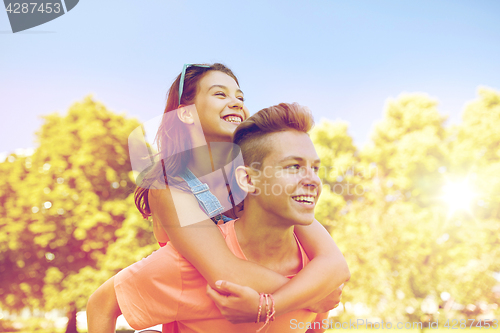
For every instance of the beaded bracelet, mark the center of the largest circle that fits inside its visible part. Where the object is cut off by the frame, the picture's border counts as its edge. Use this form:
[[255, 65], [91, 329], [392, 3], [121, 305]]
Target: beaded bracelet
[[271, 316], [270, 309], [261, 301]]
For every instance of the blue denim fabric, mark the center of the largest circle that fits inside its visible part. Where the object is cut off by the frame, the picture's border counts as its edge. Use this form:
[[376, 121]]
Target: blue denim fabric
[[207, 200]]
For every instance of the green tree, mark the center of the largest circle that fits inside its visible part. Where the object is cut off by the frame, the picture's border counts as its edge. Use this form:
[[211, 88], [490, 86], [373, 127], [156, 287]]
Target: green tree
[[402, 245], [21, 264], [408, 148], [340, 170], [71, 204], [475, 156], [475, 151]]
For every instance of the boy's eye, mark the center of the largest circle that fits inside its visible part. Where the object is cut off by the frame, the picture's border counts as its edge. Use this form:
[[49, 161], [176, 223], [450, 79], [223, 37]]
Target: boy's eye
[[293, 167], [316, 169]]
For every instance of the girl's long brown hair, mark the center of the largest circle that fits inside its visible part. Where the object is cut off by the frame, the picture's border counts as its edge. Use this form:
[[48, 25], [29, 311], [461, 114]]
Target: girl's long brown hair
[[173, 145]]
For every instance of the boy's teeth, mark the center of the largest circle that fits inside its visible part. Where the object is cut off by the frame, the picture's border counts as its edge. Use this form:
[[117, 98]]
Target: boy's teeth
[[304, 198]]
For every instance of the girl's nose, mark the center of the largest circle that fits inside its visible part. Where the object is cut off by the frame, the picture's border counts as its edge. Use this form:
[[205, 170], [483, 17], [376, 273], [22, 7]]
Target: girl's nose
[[236, 103]]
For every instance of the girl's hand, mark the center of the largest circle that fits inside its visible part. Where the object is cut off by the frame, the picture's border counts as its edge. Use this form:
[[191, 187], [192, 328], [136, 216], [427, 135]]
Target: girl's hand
[[328, 303], [238, 304]]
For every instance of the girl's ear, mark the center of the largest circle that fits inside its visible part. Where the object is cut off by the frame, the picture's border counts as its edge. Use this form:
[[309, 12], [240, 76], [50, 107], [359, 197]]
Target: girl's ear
[[185, 114], [244, 179]]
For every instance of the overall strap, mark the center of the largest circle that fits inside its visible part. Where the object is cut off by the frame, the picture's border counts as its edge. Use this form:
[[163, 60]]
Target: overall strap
[[201, 191], [225, 218]]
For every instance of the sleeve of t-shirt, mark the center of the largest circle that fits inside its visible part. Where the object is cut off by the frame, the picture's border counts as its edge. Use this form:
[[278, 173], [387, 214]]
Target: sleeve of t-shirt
[[149, 291]]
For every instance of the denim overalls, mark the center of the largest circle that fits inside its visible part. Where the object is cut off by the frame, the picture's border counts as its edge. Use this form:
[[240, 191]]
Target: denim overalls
[[206, 199]]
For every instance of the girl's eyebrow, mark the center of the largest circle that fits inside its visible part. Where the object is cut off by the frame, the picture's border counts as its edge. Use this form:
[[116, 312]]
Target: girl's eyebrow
[[223, 87]]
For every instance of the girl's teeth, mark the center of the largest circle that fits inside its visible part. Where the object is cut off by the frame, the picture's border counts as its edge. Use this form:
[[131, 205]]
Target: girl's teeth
[[233, 119]]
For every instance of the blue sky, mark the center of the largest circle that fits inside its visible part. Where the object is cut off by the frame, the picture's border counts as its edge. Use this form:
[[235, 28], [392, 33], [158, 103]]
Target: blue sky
[[343, 59]]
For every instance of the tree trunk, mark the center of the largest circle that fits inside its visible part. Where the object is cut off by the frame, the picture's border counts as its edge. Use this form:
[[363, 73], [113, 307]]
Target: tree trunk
[[71, 328]]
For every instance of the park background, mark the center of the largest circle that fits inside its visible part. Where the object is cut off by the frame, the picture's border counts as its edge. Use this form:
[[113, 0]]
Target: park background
[[409, 94]]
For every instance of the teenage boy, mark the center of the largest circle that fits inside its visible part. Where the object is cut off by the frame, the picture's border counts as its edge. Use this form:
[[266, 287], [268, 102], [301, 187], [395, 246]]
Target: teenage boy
[[283, 187]]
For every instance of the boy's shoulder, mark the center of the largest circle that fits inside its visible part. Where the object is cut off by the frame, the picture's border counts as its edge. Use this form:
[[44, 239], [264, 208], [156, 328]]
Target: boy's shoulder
[[229, 234]]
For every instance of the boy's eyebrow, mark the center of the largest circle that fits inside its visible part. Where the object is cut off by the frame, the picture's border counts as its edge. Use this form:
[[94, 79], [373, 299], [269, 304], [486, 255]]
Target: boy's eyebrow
[[298, 159], [223, 87]]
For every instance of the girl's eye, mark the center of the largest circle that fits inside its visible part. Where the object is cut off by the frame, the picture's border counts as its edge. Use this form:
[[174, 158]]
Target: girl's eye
[[220, 94], [241, 99]]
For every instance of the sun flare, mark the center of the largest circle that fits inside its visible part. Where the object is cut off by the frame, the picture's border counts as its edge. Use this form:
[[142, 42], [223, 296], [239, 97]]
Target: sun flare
[[458, 195]]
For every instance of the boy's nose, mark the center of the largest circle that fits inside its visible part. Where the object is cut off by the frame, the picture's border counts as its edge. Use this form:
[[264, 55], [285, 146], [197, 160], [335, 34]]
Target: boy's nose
[[311, 178]]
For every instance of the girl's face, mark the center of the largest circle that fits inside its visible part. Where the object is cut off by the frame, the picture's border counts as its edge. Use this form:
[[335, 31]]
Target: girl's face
[[219, 102]]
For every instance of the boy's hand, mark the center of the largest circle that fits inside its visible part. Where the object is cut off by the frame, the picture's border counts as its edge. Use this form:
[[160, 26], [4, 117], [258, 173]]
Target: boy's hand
[[329, 302], [238, 304]]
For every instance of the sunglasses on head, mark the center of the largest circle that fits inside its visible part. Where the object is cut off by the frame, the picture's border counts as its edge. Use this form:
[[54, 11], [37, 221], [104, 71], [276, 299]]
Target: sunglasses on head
[[181, 82]]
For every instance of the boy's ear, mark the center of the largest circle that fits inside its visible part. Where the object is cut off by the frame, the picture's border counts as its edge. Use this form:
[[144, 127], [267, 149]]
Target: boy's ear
[[244, 179], [185, 115]]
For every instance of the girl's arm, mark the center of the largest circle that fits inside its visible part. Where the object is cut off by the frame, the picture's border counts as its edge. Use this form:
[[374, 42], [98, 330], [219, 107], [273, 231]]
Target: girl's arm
[[203, 245]]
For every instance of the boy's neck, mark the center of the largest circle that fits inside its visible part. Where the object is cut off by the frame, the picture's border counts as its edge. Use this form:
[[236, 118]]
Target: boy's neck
[[268, 243]]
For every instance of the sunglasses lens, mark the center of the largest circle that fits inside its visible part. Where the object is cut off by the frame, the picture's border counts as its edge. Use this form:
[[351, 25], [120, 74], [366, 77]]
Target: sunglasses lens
[[183, 75]]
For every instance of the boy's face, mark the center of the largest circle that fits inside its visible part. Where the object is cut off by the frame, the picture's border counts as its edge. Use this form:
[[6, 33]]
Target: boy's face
[[287, 185]]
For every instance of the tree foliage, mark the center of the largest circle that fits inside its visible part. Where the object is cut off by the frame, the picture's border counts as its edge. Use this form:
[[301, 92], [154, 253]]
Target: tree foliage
[[408, 250], [65, 206]]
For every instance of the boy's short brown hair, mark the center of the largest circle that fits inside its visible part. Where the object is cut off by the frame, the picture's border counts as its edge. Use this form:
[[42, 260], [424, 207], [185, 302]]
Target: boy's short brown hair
[[251, 135]]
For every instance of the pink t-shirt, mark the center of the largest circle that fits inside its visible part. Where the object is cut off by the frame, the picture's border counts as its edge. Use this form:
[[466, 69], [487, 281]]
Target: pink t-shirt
[[165, 288]]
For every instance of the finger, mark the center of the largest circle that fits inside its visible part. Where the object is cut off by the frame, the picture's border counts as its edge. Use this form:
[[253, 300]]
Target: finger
[[214, 295], [227, 287]]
